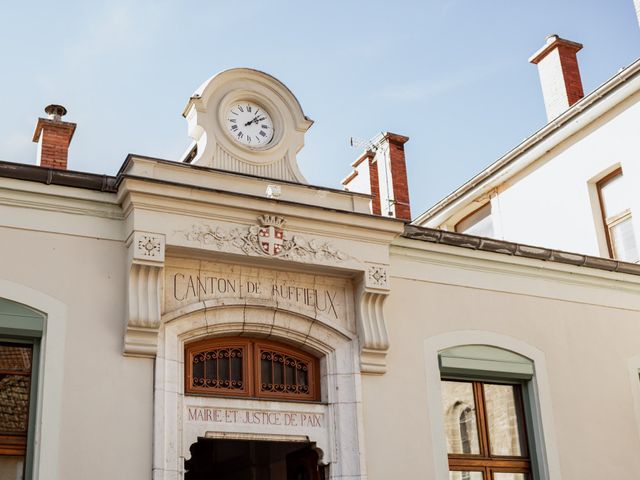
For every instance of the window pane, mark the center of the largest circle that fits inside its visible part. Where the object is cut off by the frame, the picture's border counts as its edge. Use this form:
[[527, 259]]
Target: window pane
[[15, 380], [504, 419], [460, 422], [456, 475], [223, 368], [220, 369], [509, 476], [614, 198], [14, 357], [266, 377], [11, 467], [290, 374], [624, 241], [478, 223]]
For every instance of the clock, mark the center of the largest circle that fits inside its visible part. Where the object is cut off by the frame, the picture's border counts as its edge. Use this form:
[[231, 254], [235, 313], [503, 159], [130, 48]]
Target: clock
[[249, 124]]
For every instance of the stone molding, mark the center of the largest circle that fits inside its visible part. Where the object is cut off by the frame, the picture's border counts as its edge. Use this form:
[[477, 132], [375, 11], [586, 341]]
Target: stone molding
[[147, 253]]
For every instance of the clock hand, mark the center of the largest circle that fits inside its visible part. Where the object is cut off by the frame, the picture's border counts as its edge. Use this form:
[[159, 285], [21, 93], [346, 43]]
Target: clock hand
[[255, 120]]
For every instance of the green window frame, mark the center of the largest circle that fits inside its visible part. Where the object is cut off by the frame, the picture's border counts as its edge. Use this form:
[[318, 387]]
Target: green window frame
[[482, 365], [22, 325]]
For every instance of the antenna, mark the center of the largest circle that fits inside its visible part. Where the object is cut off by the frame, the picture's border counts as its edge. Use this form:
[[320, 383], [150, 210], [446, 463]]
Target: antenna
[[365, 144]]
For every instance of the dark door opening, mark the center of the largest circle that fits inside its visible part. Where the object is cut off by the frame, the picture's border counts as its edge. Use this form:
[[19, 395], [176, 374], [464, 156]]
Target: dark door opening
[[215, 459]]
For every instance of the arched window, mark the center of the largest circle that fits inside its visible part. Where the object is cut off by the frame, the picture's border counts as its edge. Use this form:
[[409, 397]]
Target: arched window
[[484, 413], [20, 331], [244, 367]]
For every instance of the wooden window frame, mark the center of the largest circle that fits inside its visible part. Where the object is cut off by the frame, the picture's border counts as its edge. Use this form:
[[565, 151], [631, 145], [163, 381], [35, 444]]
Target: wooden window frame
[[485, 462], [251, 369], [193, 349], [610, 222]]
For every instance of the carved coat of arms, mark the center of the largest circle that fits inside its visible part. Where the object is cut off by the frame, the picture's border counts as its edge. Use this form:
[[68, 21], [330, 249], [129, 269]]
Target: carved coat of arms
[[267, 238], [271, 234]]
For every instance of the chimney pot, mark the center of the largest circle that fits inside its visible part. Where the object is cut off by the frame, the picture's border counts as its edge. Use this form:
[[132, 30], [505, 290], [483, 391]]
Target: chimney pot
[[53, 137], [559, 74], [552, 37], [55, 112]]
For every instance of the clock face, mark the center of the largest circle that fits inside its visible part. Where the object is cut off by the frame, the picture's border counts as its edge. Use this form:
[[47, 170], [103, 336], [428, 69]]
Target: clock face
[[249, 124]]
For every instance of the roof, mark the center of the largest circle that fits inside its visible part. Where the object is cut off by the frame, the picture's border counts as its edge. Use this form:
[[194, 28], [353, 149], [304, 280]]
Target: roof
[[463, 240], [500, 166]]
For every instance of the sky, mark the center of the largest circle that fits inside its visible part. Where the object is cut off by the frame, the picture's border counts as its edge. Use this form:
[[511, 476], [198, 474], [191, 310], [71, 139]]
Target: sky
[[452, 75]]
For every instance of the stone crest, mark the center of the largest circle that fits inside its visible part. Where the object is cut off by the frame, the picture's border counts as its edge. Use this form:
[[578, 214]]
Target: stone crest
[[271, 234], [267, 238]]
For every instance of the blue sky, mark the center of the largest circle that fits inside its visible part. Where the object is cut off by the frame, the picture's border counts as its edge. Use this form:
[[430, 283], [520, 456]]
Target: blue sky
[[451, 74]]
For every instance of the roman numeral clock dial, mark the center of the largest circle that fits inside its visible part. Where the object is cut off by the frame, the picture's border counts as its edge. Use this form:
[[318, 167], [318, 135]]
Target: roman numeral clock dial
[[249, 124]]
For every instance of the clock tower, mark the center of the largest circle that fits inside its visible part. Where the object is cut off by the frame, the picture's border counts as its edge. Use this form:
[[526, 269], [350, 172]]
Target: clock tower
[[246, 121]]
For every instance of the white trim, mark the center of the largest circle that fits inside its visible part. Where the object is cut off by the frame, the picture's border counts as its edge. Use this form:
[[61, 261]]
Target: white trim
[[548, 460], [51, 375]]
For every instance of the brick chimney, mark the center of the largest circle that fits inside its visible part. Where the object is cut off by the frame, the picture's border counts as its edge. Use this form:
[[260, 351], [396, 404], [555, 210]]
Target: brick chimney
[[53, 137], [559, 74], [381, 172]]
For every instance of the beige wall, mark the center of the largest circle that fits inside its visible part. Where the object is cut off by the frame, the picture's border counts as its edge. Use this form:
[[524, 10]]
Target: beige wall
[[586, 346], [106, 412]]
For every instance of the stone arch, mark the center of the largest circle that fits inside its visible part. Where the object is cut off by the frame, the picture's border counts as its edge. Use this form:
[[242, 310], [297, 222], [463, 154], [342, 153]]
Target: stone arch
[[336, 349]]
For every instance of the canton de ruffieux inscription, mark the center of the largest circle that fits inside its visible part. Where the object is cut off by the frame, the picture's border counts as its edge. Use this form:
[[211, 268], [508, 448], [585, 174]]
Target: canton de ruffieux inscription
[[189, 286], [254, 417]]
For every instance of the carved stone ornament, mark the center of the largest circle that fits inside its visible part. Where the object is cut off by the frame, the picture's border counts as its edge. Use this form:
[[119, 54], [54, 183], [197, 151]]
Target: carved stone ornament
[[147, 252], [267, 238], [377, 276], [148, 246]]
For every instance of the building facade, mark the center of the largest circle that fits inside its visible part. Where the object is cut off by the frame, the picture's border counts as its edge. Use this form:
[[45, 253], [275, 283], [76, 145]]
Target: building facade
[[220, 318], [571, 185]]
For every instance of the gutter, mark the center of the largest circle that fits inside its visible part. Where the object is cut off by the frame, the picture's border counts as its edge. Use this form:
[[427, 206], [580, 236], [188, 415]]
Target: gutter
[[67, 178]]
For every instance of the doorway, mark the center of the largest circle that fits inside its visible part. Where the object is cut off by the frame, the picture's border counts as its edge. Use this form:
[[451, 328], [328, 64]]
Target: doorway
[[217, 459]]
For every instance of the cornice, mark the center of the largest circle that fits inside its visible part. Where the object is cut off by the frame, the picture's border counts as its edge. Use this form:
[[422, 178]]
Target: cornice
[[59, 199], [503, 247], [181, 199]]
